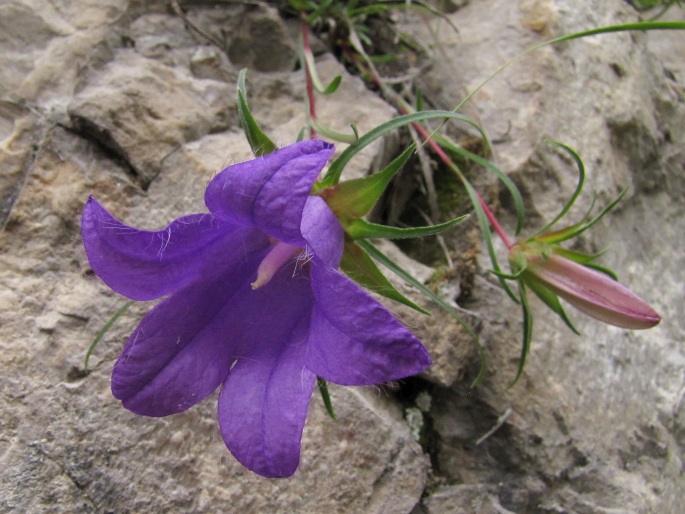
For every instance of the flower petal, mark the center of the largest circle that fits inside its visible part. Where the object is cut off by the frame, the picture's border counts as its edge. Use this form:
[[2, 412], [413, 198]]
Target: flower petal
[[263, 406], [270, 191], [145, 265], [263, 403], [322, 231], [353, 339], [594, 293], [183, 349]]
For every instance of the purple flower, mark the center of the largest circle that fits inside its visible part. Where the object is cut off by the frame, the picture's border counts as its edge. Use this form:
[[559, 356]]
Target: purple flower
[[254, 303]]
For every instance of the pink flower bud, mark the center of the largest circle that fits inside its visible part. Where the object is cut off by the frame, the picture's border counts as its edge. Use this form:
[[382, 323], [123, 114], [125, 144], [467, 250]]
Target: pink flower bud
[[592, 292]]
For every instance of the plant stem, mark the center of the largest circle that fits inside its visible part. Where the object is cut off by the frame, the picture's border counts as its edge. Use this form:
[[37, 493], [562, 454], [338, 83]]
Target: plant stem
[[405, 108]]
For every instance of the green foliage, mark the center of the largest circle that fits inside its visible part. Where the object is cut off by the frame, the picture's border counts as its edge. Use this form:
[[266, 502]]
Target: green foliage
[[325, 396], [332, 177], [348, 23], [357, 265], [361, 229], [355, 198], [103, 331], [259, 142]]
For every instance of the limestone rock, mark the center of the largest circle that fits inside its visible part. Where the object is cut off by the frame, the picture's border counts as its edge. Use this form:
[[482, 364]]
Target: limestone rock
[[126, 108], [101, 97], [596, 418], [153, 106]]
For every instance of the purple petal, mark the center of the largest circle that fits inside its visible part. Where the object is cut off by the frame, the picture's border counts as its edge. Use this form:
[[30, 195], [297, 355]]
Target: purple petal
[[263, 406], [270, 191], [594, 293], [322, 231], [353, 339], [183, 349], [263, 403], [145, 265]]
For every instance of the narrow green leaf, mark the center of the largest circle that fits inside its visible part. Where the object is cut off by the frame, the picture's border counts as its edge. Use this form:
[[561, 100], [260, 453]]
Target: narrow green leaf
[[558, 236], [319, 12], [507, 276], [484, 229], [335, 170], [362, 229], [419, 99], [368, 10], [581, 181], [395, 268], [450, 146], [357, 265], [380, 59], [323, 389], [316, 81], [350, 139], [355, 198], [527, 333], [579, 228], [103, 331], [259, 142]]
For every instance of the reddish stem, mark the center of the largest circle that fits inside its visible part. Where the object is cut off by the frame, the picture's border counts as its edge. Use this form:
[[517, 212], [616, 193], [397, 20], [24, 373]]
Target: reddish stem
[[405, 109], [307, 72]]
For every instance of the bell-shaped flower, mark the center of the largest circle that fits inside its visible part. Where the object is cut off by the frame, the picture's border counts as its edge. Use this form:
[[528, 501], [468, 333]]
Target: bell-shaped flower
[[549, 271], [255, 303]]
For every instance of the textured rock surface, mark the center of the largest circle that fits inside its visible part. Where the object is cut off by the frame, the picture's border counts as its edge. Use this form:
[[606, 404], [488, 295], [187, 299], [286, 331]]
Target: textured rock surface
[[133, 103], [595, 425], [150, 106]]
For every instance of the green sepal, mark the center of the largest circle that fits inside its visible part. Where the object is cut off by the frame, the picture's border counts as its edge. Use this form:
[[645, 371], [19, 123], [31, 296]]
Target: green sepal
[[325, 396], [577, 229], [357, 265], [550, 299], [355, 198], [584, 259], [103, 331], [259, 141], [362, 229], [399, 271], [572, 255]]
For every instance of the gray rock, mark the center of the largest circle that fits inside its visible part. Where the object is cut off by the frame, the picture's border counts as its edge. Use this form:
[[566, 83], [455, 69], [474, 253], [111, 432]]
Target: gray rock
[[69, 446], [156, 109], [126, 108], [596, 424]]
